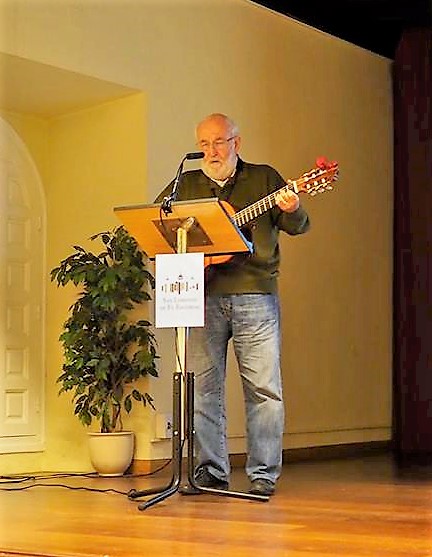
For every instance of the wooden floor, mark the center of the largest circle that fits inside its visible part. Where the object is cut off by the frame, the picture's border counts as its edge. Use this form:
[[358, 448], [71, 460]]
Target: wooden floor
[[355, 507]]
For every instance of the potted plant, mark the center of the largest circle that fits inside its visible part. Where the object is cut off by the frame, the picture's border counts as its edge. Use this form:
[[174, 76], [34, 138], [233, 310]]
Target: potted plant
[[106, 352]]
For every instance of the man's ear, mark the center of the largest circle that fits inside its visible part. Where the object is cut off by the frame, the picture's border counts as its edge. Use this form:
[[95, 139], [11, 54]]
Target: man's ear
[[237, 143]]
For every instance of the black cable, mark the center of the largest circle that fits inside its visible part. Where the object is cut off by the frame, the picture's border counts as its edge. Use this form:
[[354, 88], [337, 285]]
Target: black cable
[[162, 467], [75, 488], [14, 479], [19, 479], [167, 233]]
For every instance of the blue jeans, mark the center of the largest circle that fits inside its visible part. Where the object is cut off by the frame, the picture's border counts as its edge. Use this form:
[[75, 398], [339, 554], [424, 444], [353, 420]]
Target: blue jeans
[[253, 323]]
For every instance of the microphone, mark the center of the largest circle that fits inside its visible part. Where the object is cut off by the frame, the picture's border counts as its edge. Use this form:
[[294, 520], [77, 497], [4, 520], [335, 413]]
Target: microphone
[[167, 201], [196, 155]]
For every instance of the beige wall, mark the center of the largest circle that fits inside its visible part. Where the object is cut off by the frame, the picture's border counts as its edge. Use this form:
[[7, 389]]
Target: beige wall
[[296, 93]]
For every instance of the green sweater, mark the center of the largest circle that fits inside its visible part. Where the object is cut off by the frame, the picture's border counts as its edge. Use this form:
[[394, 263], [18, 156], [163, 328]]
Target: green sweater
[[258, 272]]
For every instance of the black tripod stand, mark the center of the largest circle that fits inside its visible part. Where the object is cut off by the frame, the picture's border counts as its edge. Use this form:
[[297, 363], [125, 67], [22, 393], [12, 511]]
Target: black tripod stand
[[174, 485]]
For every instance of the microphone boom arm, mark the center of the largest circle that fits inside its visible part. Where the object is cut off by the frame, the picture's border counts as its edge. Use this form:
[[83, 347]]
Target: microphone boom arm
[[169, 199]]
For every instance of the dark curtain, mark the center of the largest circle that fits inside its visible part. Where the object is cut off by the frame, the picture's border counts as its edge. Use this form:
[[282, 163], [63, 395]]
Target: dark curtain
[[413, 244]]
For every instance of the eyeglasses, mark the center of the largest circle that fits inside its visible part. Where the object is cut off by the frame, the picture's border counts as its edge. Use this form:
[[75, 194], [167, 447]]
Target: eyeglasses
[[217, 144]]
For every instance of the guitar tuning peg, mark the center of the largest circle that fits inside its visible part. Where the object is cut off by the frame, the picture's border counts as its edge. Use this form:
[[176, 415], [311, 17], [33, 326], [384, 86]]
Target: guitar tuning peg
[[321, 162]]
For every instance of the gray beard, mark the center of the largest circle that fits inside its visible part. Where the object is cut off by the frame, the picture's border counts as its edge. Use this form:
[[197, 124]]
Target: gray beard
[[222, 173]]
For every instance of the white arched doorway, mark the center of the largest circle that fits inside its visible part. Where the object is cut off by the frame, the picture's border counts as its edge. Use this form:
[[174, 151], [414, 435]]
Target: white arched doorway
[[22, 270]]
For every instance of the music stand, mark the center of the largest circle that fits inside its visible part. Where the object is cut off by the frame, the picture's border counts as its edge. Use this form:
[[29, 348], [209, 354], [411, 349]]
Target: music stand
[[200, 225]]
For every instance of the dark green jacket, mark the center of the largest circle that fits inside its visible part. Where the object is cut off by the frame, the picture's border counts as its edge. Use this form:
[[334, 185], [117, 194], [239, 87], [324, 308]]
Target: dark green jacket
[[255, 273]]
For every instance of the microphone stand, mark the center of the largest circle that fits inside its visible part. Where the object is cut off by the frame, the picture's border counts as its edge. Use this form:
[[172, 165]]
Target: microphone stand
[[169, 199]]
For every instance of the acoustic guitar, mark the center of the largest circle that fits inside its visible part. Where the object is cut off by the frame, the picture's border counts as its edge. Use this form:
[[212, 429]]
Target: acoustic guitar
[[317, 180]]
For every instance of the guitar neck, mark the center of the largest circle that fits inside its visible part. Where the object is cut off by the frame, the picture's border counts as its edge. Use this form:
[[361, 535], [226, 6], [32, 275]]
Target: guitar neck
[[313, 182], [260, 207]]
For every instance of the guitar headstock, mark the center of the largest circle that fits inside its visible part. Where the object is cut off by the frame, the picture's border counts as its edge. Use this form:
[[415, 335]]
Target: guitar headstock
[[319, 179]]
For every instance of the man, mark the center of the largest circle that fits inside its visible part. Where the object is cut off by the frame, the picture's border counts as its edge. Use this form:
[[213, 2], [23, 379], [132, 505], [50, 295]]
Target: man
[[241, 304]]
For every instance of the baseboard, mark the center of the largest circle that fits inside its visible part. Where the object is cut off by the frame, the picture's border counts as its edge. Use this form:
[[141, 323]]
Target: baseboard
[[348, 450]]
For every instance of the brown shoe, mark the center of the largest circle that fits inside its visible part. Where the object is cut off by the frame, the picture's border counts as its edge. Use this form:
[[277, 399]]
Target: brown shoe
[[261, 486], [203, 478]]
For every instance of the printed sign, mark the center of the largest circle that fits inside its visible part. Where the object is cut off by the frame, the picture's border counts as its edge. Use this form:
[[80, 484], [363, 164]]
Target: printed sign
[[179, 290]]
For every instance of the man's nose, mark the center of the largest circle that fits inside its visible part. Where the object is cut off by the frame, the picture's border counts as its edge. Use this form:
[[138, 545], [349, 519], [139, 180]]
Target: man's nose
[[213, 149]]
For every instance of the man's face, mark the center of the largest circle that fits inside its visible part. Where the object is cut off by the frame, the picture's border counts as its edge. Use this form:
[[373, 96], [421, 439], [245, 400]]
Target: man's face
[[220, 147]]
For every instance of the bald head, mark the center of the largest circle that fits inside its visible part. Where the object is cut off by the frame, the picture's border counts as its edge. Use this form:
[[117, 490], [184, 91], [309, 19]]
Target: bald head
[[218, 119], [218, 137]]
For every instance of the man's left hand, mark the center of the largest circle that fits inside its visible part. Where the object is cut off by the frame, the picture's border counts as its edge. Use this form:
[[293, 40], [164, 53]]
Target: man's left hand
[[287, 201]]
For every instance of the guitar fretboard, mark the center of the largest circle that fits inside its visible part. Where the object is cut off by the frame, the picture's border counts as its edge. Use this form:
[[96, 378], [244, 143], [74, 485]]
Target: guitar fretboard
[[260, 207]]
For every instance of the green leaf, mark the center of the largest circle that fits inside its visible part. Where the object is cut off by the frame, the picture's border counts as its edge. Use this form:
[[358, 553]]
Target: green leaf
[[150, 400], [128, 404], [137, 395]]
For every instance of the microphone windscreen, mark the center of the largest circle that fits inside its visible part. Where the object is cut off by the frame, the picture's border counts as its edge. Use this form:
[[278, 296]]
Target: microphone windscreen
[[196, 155]]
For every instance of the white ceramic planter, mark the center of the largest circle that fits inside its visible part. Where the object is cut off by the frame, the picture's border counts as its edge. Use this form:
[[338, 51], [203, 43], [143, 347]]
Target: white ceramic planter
[[111, 453]]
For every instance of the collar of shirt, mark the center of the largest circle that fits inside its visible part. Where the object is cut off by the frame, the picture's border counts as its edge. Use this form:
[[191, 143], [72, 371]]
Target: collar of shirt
[[221, 183]]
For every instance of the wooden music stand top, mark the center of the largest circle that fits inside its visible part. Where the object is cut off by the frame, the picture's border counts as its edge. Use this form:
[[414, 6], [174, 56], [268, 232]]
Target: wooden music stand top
[[213, 231]]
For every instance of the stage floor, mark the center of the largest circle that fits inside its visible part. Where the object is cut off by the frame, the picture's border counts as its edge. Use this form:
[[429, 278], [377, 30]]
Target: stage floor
[[353, 507]]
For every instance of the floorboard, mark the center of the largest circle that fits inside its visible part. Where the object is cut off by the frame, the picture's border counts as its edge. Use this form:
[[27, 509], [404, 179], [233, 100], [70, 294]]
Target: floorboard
[[349, 507]]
